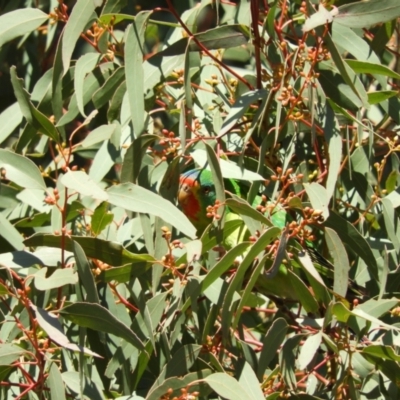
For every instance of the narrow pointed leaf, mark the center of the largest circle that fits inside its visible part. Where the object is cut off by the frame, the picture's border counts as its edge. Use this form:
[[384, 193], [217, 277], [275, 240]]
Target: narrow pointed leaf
[[77, 21], [217, 38], [21, 170], [227, 387], [83, 184], [20, 22], [37, 119], [364, 14], [138, 199], [51, 325], [340, 261], [98, 318], [109, 252], [84, 65]]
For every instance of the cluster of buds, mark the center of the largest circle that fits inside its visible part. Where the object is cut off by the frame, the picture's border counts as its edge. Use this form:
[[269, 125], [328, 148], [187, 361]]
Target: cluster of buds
[[278, 74], [169, 146], [303, 8], [185, 395], [286, 97], [233, 83], [395, 312], [100, 267], [254, 238], [178, 75], [59, 14], [298, 115], [311, 216], [166, 233], [300, 231], [95, 32], [52, 199], [168, 260], [285, 177], [273, 249], [263, 207], [176, 244], [318, 54], [212, 211], [212, 345], [265, 76], [213, 81]]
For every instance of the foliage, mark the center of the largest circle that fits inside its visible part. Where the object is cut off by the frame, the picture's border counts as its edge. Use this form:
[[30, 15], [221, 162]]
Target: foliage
[[106, 288]]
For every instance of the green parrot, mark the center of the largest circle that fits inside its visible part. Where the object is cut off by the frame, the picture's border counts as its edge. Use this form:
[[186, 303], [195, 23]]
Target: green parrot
[[197, 192]]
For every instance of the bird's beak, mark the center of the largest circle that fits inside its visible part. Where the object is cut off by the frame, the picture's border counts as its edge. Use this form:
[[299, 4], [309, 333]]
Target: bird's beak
[[184, 193]]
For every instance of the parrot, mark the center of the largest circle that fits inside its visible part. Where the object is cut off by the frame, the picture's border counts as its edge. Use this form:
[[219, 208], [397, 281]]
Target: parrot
[[197, 192]]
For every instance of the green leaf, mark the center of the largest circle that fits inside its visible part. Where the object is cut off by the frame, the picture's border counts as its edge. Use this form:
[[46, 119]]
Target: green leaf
[[84, 65], [333, 137], [92, 82], [242, 207], [380, 351], [178, 365], [20, 22], [102, 95], [308, 350], [239, 108], [321, 17], [101, 218], [98, 135], [98, 318], [109, 252], [227, 311], [81, 14], [342, 314], [222, 37], [85, 274], [55, 383], [353, 239], [138, 199], [134, 70], [318, 197], [59, 278], [380, 96], [51, 325], [10, 118], [229, 169], [228, 387], [391, 222], [364, 14], [11, 234], [81, 182], [194, 381], [18, 169], [9, 353], [224, 264], [38, 120], [248, 380], [113, 6], [363, 67], [340, 261]]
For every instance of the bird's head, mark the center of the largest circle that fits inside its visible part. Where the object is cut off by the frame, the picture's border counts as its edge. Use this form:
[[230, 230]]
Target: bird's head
[[196, 193]]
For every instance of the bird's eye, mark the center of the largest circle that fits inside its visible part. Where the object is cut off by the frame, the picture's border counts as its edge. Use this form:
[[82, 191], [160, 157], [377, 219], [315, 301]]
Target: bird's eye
[[206, 189]]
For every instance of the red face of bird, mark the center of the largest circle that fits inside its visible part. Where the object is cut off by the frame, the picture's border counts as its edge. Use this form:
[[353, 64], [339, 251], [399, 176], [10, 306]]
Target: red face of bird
[[188, 188], [196, 193]]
